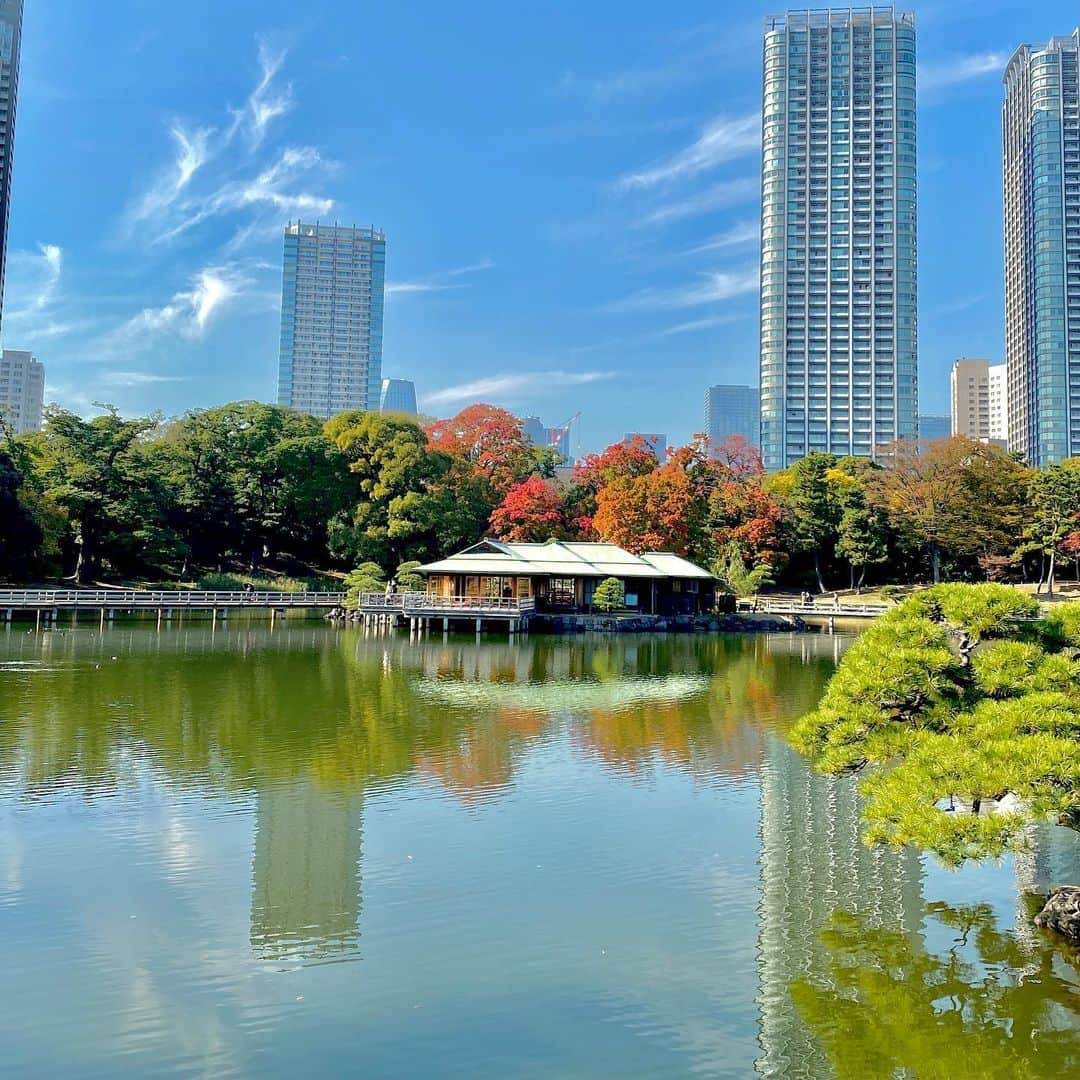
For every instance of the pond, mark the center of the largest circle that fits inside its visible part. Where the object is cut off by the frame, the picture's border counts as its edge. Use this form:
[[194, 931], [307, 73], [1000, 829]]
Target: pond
[[303, 851]]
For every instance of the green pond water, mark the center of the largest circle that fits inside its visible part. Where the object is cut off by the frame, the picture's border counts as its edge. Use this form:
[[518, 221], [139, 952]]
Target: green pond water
[[307, 852]]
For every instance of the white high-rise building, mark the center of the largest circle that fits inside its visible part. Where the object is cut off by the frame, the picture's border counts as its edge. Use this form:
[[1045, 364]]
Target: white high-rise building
[[999, 404], [838, 243], [331, 319], [22, 390]]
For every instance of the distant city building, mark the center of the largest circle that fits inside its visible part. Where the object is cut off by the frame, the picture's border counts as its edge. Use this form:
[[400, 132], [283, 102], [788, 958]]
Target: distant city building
[[398, 396], [1041, 173], [838, 244], [969, 392], [11, 13], [733, 410], [331, 318], [934, 427], [22, 390], [656, 442], [535, 430], [999, 404]]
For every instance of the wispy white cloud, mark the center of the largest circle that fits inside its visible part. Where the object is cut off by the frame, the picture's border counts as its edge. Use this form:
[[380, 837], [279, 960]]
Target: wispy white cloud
[[189, 313], [723, 139], [717, 197], [942, 74], [694, 326], [439, 281], [137, 378], [192, 150], [267, 101], [512, 386], [709, 288], [960, 304], [217, 171], [739, 235], [35, 308]]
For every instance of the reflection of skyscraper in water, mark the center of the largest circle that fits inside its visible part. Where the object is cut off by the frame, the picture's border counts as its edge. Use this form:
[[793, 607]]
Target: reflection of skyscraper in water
[[305, 900], [814, 864]]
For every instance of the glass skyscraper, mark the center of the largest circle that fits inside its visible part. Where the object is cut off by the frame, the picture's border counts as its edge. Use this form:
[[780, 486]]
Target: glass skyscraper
[[838, 233], [398, 396], [1041, 166], [733, 410], [331, 318], [11, 13]]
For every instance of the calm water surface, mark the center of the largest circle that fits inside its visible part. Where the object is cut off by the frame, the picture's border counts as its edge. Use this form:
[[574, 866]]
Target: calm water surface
[[310, 853]]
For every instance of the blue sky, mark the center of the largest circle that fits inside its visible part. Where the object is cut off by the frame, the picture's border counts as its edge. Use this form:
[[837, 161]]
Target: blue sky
[[569, 192]]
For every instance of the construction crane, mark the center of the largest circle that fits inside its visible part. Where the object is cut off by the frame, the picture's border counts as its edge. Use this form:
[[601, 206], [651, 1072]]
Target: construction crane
[[556, 435]]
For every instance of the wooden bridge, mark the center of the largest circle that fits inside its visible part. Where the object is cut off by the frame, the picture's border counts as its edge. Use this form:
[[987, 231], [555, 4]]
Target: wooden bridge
[[107, 603], [420, 609], [822, 607]]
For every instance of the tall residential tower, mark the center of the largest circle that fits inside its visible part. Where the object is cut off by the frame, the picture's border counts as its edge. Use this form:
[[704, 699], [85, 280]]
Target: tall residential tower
[[838, 274], [1041, 166], [331, 319], [22, 390], [11, 13]]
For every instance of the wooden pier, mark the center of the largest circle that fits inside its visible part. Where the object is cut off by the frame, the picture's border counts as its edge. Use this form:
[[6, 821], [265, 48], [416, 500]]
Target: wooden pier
[[421, 611]]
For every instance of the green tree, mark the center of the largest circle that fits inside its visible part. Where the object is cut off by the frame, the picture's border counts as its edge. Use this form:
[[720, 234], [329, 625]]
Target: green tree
[[969, 712], [609, 595], [366, 578], [1054, 500], [862, 539], [254, 481], [20, 535], [738, 579], [407, 579], [412, 502], [813, 511], [99, 473]]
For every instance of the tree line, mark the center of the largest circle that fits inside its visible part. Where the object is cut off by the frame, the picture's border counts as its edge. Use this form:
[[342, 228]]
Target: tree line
[[254, 487]]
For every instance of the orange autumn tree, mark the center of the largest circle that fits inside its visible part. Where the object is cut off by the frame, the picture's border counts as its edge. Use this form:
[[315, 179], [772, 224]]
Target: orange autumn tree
[[494, 442], [531, 512], [651, 512]]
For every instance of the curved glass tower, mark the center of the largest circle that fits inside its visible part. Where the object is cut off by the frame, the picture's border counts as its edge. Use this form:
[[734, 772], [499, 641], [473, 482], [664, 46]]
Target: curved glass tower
[[1041, 172], [838, 233]]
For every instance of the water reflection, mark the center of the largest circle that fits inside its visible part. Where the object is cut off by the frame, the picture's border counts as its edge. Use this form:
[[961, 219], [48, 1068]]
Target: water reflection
[[962, 999], [246, 844]]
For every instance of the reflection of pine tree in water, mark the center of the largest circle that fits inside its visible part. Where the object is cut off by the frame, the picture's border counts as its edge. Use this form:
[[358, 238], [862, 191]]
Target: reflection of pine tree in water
[[813, 864], [986, 1006], [305, 899]]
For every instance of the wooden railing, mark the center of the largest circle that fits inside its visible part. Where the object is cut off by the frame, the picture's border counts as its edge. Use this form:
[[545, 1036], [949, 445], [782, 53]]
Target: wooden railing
[[417, 603], [129, 599]]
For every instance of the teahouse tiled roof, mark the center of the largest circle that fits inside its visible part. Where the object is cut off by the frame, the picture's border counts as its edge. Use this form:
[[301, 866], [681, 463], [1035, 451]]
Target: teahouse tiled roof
[[564, 559]]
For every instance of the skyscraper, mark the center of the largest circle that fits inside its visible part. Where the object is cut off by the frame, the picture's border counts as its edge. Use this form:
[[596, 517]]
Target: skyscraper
[[969, 393], [733, 410], [398, 396], [331, 318], [11, 12], [838, 255], [1041, 172], [932, 428], [22, 390]]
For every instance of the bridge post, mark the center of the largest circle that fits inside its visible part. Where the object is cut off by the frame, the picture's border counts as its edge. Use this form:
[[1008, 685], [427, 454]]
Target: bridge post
[[37, 620], [10, 614], [213, 619], [446, 625], [478, 621], [101, 621], [159, 618]]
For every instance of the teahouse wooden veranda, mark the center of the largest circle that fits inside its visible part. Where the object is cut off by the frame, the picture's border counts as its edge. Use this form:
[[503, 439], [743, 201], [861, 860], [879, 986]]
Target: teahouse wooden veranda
[[562, 577]]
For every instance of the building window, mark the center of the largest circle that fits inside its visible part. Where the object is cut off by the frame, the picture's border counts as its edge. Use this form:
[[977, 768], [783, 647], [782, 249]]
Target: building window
[[563, 593]]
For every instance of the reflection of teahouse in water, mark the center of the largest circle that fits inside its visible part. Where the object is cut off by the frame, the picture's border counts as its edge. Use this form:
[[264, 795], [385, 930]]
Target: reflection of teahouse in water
[[814, 864], [305, 899]]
